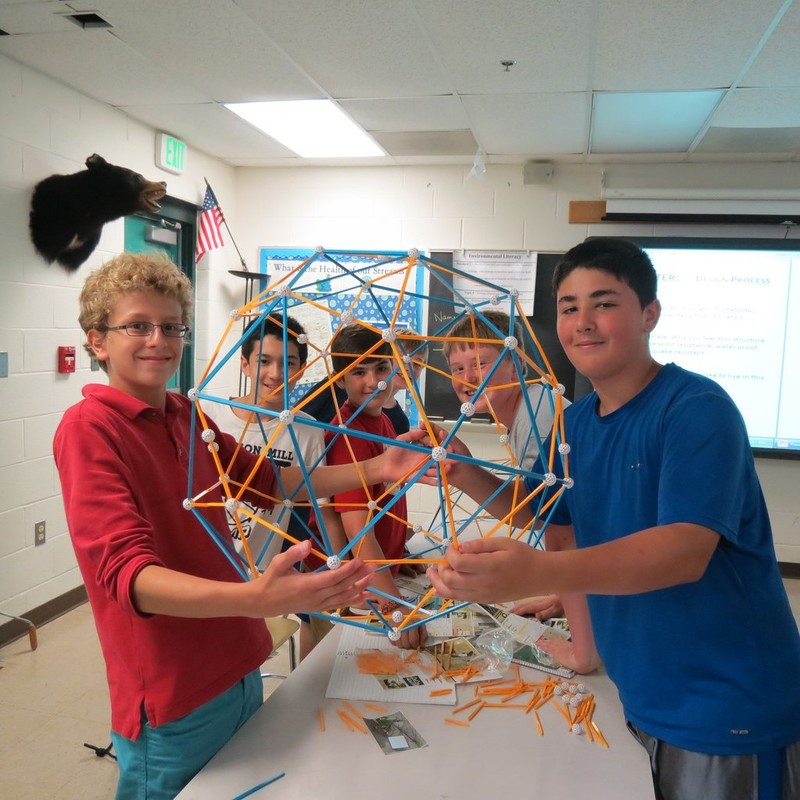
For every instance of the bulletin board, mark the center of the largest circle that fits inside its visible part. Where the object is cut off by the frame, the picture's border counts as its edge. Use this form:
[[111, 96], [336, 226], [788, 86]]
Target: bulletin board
[[335, 281]]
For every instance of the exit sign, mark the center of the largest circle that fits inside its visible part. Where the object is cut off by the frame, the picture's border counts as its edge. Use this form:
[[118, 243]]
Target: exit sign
[[170, 153]]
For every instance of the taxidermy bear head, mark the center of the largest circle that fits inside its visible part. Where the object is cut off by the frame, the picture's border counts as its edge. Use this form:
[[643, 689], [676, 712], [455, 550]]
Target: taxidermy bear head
[[68, 211]]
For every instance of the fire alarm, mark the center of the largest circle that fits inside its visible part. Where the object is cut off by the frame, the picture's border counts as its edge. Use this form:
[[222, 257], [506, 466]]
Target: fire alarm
[[66, 359]]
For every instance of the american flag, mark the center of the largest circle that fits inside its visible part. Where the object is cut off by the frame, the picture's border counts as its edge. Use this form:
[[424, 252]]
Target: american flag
[[209, 235]]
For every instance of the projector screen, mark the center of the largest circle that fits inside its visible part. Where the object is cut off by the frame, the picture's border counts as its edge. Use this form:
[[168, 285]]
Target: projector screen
[[731, 311]]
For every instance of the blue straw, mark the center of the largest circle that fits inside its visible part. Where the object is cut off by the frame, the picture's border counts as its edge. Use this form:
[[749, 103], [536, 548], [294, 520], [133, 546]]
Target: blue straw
[[259, 786]]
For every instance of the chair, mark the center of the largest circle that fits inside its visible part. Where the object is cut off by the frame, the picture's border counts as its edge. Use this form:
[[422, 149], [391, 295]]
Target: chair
[[282, 630]]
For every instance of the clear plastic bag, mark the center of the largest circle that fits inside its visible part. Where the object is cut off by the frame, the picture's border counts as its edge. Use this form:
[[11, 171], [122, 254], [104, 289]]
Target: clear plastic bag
[[495, 648]]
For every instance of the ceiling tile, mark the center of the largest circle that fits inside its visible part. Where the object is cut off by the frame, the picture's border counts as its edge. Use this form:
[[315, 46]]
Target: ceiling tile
[[760, 108], [677, 45], [420, 143], [354, 48], [550, 42], [211, 128], [750, 140], [408, 114], [536, 123], [649, 122]]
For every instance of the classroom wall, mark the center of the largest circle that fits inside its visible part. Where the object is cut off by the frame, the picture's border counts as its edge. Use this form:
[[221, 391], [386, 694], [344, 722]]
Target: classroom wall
[[46, 128], [442, 208]]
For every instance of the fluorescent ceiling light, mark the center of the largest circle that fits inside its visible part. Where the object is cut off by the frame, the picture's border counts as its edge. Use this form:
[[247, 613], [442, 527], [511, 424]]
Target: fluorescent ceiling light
[[311, 128]]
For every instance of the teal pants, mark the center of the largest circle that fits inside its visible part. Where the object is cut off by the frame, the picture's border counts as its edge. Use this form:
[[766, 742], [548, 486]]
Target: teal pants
[[164, 759]]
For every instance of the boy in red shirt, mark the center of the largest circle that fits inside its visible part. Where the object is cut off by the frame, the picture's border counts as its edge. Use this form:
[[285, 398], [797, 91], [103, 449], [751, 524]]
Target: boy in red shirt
[[367, 385], [182, 635]]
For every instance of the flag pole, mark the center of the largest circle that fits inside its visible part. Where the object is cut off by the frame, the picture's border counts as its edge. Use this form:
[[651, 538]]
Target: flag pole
[[225, 222]]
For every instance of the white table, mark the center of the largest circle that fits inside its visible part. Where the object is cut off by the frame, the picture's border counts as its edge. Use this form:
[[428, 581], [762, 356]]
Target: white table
[[499, 755]]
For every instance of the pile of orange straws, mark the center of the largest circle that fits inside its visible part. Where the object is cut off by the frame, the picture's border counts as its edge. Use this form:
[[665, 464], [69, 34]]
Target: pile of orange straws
[[572, 700]]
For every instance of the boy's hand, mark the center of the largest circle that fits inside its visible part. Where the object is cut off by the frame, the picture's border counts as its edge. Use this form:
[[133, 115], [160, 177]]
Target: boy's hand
[[486, 571], [281, 589], [542, 607], [402, 463], [412, 639]]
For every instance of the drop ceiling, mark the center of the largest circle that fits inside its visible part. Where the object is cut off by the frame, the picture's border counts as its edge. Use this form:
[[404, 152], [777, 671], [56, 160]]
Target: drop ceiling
[[590, 80]]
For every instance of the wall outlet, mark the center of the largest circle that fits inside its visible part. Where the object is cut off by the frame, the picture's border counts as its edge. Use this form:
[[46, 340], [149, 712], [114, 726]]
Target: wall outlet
[[40, 533]]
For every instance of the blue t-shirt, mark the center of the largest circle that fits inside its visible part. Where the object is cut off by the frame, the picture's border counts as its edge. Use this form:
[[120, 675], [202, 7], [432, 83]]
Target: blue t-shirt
[[711, 666]]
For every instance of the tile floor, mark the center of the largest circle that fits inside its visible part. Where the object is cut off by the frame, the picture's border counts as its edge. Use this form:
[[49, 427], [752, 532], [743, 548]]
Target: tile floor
[[54, 699]]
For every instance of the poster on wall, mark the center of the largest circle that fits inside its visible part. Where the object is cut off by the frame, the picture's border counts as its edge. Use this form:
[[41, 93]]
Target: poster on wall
[[367, 284], [514, 271]]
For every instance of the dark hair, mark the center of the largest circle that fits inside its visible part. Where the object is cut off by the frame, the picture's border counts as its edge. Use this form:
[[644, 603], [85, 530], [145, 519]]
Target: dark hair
[[352, 341], [620, 258], [274, 327]]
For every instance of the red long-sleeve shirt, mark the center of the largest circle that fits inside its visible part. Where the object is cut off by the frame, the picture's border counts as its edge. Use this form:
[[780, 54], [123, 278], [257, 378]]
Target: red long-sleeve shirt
[[124, 469]]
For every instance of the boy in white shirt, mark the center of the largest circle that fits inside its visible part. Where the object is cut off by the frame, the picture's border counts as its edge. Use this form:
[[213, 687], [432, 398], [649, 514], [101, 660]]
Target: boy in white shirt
[[262, 363]]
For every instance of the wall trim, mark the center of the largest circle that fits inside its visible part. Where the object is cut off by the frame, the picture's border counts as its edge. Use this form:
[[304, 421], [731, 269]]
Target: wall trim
[[13, 629], [789, 569]]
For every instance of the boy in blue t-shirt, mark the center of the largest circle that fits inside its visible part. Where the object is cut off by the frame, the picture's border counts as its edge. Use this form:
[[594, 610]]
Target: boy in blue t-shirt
[[672, 543]]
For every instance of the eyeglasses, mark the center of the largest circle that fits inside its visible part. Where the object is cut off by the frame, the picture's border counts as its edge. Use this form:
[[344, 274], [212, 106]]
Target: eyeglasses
[[172, 329]]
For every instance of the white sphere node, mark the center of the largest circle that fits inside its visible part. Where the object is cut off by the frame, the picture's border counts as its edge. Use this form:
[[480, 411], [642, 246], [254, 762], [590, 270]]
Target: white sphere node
[[208, 435], [234, 313], [286, 416], [372, 505], [334, 562], [514, 292], [569, 483], [550, 479], [504, 438], [397, 616], [192, 394], [382, 385], [213, 447], [394, 635], [468, 409], [438, 454], [187, 504], [231, 505], [346, 318], [494, 300], [559, 388], [417, 528], [284, 290], [414, 252], [287, 503], [302, 339], [564, 448], [510, 342], [388, 335]]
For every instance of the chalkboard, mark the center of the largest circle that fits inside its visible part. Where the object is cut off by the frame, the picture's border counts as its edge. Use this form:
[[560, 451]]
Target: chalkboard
[[440, 399]]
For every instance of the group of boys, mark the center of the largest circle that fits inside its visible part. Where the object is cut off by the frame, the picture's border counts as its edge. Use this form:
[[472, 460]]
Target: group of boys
[[666, 530]]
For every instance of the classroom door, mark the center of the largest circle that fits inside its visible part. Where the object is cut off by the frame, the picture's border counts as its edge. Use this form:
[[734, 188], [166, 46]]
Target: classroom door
[[171, 231]]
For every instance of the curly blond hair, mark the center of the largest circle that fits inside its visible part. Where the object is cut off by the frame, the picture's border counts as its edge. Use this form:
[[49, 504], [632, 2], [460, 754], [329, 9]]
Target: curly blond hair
[[125, 274]]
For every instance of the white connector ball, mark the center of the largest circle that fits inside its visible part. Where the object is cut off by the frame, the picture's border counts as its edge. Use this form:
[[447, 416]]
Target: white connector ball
[[334, 562]]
